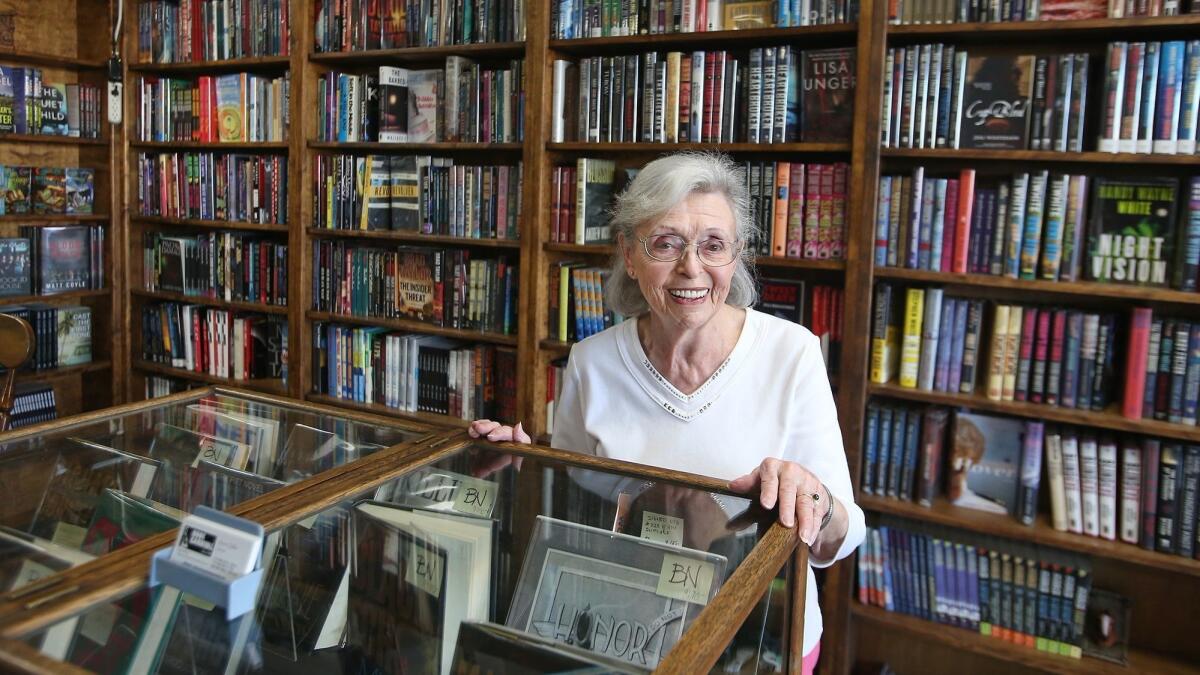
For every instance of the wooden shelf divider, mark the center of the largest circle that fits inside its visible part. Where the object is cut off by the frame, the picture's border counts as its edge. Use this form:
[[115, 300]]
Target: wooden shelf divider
[[415, 327], [267, 386]]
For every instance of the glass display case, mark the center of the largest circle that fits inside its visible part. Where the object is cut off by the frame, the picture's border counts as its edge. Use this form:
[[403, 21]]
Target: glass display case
[[83, 487], [468, 557]]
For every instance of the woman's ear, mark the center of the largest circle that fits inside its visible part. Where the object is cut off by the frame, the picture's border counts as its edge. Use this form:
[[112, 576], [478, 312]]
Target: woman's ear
[[627, 252]]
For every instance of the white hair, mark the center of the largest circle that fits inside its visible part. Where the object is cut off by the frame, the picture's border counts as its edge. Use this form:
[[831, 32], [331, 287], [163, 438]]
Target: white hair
[[659, 187]]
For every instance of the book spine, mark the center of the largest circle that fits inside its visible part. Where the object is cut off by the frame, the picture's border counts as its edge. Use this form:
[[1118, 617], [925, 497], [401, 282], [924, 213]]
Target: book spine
[[930, 338], [1189, 494], [1137, 356], [1131, 498], [1151, 449], [1031, 471], [1054, 474], [1071, 482], [1169, 479], [1107, 462]]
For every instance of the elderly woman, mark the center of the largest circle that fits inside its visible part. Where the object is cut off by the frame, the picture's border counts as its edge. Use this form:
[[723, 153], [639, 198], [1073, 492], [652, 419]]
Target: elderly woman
[[699, 381]]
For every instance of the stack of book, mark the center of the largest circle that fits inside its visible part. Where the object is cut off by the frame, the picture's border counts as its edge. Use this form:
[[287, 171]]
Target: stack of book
[[218, 342], [28, 105], [181, 31], [414, 373], [32, 404], [775, 95], [47, 190], [356, 25], [592, 18], [1151, 98], [233, 108], [223, 265], [62, 334], [462, 102], [1024, 594], [211, 186], [442, 287], [1162, 368], [407, 193], [939, 96]]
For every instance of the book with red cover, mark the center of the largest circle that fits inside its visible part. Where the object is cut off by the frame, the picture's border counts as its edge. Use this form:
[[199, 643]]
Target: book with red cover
[[1135, 363]]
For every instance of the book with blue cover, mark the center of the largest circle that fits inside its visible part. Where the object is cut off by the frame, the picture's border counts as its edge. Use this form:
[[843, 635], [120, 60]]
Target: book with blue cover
[[985, 462]]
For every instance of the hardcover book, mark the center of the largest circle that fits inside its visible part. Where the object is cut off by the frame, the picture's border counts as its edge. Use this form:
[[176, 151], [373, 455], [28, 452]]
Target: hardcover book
[[425, 106], [1131, 231], [985, 462], [49, 190], [579, 584], [827, 99], [231, 126], [16, 186], [15, 277], [594, 193], [1073, 10], [393, 105], [74, 335], [783, 298], [8, 120], [54, 110], [996, 102], [81, 190], [405, 193], [64, 259]]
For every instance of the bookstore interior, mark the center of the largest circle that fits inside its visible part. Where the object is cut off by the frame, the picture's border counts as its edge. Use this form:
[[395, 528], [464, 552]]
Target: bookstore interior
[[265, 264]]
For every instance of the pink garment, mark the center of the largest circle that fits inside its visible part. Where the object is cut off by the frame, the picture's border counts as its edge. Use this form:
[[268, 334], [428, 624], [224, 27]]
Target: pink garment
[[809, 665]]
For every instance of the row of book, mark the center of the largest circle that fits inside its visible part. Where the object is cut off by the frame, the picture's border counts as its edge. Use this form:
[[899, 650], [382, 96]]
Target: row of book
[[229, 266], [32, 404], [928, 11], [572, 19], [157, 386], [773, 95], [233, 108], [581, 197], [1042, 225], [414, 373], [417, 193], [1162, 368], [213, 186], [47, 190], [1027, 595], [946, 361], [462, 102], [799, 209], [28, 105], [218, 342], [62, 334], [442, 287], [941, 96], [577, 307], [182, 31], [1151, 98], [357, 25], [819, 308], [50, 260]]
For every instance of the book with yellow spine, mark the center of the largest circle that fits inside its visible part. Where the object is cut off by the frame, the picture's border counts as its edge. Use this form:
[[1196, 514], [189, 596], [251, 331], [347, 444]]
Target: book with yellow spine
[[910, 350]]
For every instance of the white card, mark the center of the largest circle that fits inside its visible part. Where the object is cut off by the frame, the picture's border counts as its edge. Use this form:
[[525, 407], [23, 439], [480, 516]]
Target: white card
[[662, 528], [686, 579], [424, 568]]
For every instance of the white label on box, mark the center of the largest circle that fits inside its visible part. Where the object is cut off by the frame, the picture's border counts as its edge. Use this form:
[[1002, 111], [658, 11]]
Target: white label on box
[[475, 497], [662, 528], [686, 579], [220, 550], [424, 568]]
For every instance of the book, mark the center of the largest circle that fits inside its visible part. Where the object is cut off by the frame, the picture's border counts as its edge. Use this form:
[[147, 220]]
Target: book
[[15, 266], [910, 345], [827, 94], [74, 333], [1131, 230], [49, 190], [63, 257], [985, 462], [394, 105], [81, 190], [17, 185], [783, 298], [230, 107], [996, 102], [54, 110]]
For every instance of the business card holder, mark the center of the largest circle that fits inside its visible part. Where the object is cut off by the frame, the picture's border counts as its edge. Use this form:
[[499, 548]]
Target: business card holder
[[237, 596]]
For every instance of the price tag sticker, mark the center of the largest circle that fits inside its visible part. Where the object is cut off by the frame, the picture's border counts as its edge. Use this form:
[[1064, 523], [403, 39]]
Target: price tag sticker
[[686, 579], [662, 528], [475, 497], [211, 451], [425, 568], [68, 535]]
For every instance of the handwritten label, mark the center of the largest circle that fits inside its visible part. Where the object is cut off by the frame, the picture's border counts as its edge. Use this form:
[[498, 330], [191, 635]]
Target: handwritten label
[[424, 569], [662, 528], [68, 535], [475, 497], [211, 451], [685, 579]]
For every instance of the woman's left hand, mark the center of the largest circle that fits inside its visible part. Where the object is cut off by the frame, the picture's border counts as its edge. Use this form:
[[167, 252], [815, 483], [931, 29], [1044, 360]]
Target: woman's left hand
[[793, 487]]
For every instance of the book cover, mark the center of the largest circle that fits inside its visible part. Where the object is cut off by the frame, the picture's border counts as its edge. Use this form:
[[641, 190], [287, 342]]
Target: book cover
[[63, 256], [425, 106], [18, 181], [376, 191], [80, 190], [15, 266], [405, 193], [783, 298], [49, 190], [231, 126], [1132, 230], [74, 332], [910, 345], [985, 462], [594, 192], [393, 104], [8, 120], [54, 110], [827, 96], [996, 102]]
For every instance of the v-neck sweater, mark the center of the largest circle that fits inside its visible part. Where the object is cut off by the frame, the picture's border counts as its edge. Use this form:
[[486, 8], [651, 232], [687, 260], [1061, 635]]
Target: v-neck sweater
[[769, 398]]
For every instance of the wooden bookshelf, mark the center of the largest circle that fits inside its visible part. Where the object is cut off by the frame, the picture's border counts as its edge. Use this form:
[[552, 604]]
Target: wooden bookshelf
[[1110, 419], [418, 55], [53, 219], [266, 386], [63, 372], [662, 148], [409, 148], [1095, 30], [1066, 289], [252, 63], [1016, 656], [427, 417], [1041, 532], [166, 296], [727, 39], [764, 261], [973, 155], [274, 147], [413, 237], [43, 139], [57, 298], [210, 224], [416, 327], [50, 60]]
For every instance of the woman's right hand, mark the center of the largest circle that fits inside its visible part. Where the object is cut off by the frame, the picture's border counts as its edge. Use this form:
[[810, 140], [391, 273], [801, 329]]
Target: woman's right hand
[[496, 432]]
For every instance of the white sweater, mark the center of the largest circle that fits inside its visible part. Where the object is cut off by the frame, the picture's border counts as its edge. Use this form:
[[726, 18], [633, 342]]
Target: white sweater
[[771, 398]]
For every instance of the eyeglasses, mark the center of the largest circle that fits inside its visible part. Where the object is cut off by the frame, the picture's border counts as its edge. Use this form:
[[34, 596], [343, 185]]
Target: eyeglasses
[[712, 251]]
